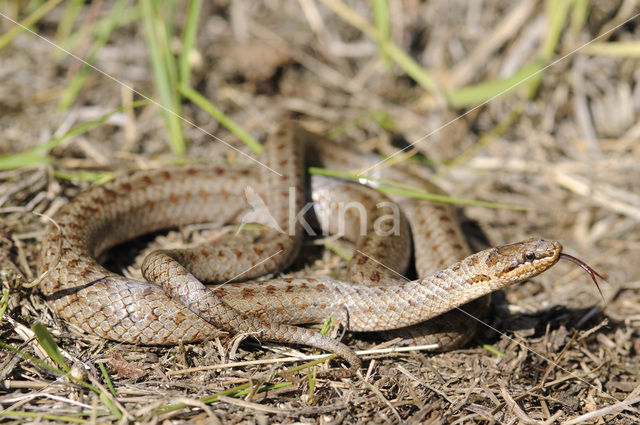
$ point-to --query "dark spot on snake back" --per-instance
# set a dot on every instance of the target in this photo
(477, 279)
(220, 292)
(271, 289)
(110, 193)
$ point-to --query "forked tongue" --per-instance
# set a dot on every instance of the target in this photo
(586, 268)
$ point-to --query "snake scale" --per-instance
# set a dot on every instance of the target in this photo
(173, 306)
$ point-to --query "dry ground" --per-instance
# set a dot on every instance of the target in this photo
(571, 157)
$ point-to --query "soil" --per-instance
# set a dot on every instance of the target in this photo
(552, 349)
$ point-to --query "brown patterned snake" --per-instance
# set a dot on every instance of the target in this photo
(177, 307)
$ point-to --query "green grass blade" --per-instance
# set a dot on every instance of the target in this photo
(228, 392)
(31, 358)
(529, 75)
(310, 364)
(448, 200)
(97, 177)
(167, 408)
(165, 32)
(412, 68)
(236, 391)
(219, 116)
(263, 388)
(311, 379)
(36, 154)
(129, 15)
(167, 9)
(105, 400)
(65, 26)
(188, 41)
(557, 15)
(86, 126)
(397, 188)
(629, 49)
(61, 372)
(73, 89)
(355, 176)
(327, 325)
(337, 250)
(313, 370)
(477, 94)
(579, 15)
(4, 302)
(163, 66)
(379, 117)
(42, 364)
(49, 345)
(498, 130)
(383, 119)
(37, 14)
(493, 350)
(107, 380)
(360, 178)
(22, 160)
(380, 9)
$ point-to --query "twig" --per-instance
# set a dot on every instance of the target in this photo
(298, 358)
(609, 410)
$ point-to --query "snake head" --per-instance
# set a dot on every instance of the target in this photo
(523, 260)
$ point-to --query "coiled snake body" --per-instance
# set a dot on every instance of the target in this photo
(173, 305)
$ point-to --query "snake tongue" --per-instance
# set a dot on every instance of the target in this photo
(587, 268)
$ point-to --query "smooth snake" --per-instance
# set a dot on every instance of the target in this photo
(173, 306)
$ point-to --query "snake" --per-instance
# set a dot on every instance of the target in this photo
(173, 305)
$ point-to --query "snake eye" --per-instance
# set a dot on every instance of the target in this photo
(529, 255)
